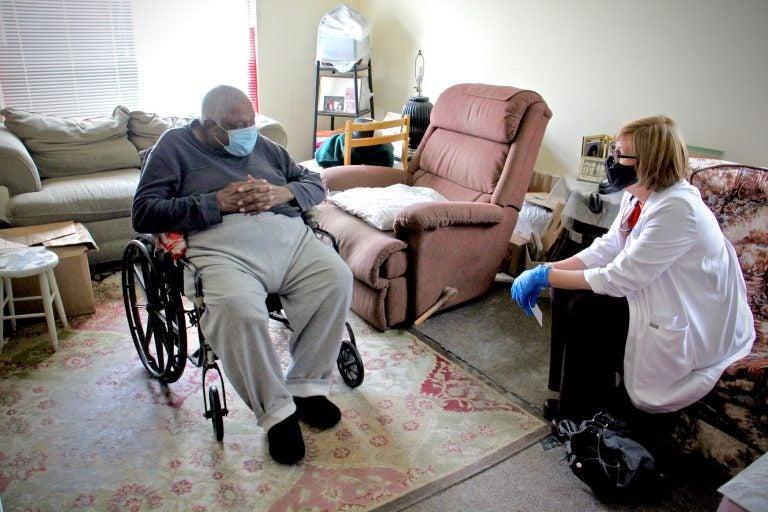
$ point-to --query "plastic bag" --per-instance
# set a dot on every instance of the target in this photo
(343, 38)
(532, 219)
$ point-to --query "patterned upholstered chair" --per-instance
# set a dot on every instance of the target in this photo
(730, 424)
(478, 152)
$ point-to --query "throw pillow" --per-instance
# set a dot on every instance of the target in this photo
(63, 146)
(144, 128)
(378, 206)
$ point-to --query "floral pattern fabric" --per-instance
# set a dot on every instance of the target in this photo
(738, 405)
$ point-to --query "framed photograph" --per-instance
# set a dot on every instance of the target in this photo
(591, 169)
(337, 95)
(595, 146)
(333, 103)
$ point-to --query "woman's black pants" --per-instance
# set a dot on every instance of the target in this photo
(589, 332)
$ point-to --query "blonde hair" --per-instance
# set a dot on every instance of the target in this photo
(662, 157)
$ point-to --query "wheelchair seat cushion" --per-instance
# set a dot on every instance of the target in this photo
(172, 243)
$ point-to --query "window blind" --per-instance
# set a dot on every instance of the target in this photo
(68, 57)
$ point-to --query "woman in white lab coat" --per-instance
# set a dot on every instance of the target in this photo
(662, 290)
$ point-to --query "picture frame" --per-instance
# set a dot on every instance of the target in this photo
(591, 169)
(333, 103)
(596, 146)
(336, 95)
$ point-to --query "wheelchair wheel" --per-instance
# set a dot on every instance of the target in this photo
(155, 313)
(216, 412)
(349, 362)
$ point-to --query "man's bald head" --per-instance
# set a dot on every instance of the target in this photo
(221, 101)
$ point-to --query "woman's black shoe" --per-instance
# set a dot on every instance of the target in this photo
(551, 413)
(551, 409)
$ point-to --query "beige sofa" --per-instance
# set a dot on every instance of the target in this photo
(59, 169)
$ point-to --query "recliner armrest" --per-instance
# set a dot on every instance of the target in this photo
(433, 215)
(19, 172)
(344, 177)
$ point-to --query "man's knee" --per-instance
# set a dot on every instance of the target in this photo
(339, 275)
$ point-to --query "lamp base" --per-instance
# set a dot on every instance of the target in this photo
(419, 108)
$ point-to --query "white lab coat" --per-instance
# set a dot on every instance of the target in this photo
(688, 312)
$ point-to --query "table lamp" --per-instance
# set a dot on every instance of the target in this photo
(418, 107)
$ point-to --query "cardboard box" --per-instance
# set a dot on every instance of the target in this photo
(542, 182)
(70, 241)
(555, 224)
(514, 260)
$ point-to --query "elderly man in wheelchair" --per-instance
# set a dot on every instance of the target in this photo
(239, 199)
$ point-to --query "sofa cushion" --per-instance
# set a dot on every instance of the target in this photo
(461, 167)
(67, 146)
(473, 109)
(144, 128)
(82, 198)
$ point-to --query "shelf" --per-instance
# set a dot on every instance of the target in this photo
(342, 114)
(333, 70)
(351, 97)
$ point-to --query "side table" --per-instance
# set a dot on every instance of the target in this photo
(32, 261)
(578, 219)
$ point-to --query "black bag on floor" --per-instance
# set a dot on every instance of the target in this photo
(602, 453)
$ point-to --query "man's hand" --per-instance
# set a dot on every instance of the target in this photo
(251, 196)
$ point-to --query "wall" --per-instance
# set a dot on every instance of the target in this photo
(597, 63)
(287, 34)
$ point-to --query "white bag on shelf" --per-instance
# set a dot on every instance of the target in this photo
(343, 38)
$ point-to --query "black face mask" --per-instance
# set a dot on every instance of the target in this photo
(619, 176)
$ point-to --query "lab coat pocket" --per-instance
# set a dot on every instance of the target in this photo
(666, 352)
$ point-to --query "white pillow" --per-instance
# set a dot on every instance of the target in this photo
(378, 206)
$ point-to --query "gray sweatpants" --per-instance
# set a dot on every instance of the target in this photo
(240, 261)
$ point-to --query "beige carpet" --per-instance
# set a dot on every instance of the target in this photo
(85, 428)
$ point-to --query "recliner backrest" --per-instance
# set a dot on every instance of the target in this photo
(481, 136)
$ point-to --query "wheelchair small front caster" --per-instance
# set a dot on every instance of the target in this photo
(350, 364)
(216, 413)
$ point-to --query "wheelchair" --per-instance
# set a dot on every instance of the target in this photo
(152, 286)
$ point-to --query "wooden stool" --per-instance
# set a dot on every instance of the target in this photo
(33, 261)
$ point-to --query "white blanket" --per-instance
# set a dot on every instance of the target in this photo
(378, 205)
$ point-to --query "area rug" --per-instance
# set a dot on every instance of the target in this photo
(86, 428)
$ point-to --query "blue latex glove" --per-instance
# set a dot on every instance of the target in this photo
(528, 285)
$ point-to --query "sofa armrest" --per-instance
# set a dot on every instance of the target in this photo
(344, 177)
(272, 129)
(433, 215)
(19, 172)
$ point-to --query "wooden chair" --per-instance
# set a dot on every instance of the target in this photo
(350, 142)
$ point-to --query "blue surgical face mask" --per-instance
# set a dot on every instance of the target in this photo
(241, 141)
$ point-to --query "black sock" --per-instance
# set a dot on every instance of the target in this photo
(317, 411)
(286, 445)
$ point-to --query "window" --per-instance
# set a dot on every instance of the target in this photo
(68, 57)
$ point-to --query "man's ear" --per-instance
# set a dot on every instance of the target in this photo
(208, 124)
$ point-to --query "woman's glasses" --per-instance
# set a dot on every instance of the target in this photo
(615, 155)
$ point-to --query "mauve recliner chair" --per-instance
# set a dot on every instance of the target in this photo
(478, 151)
